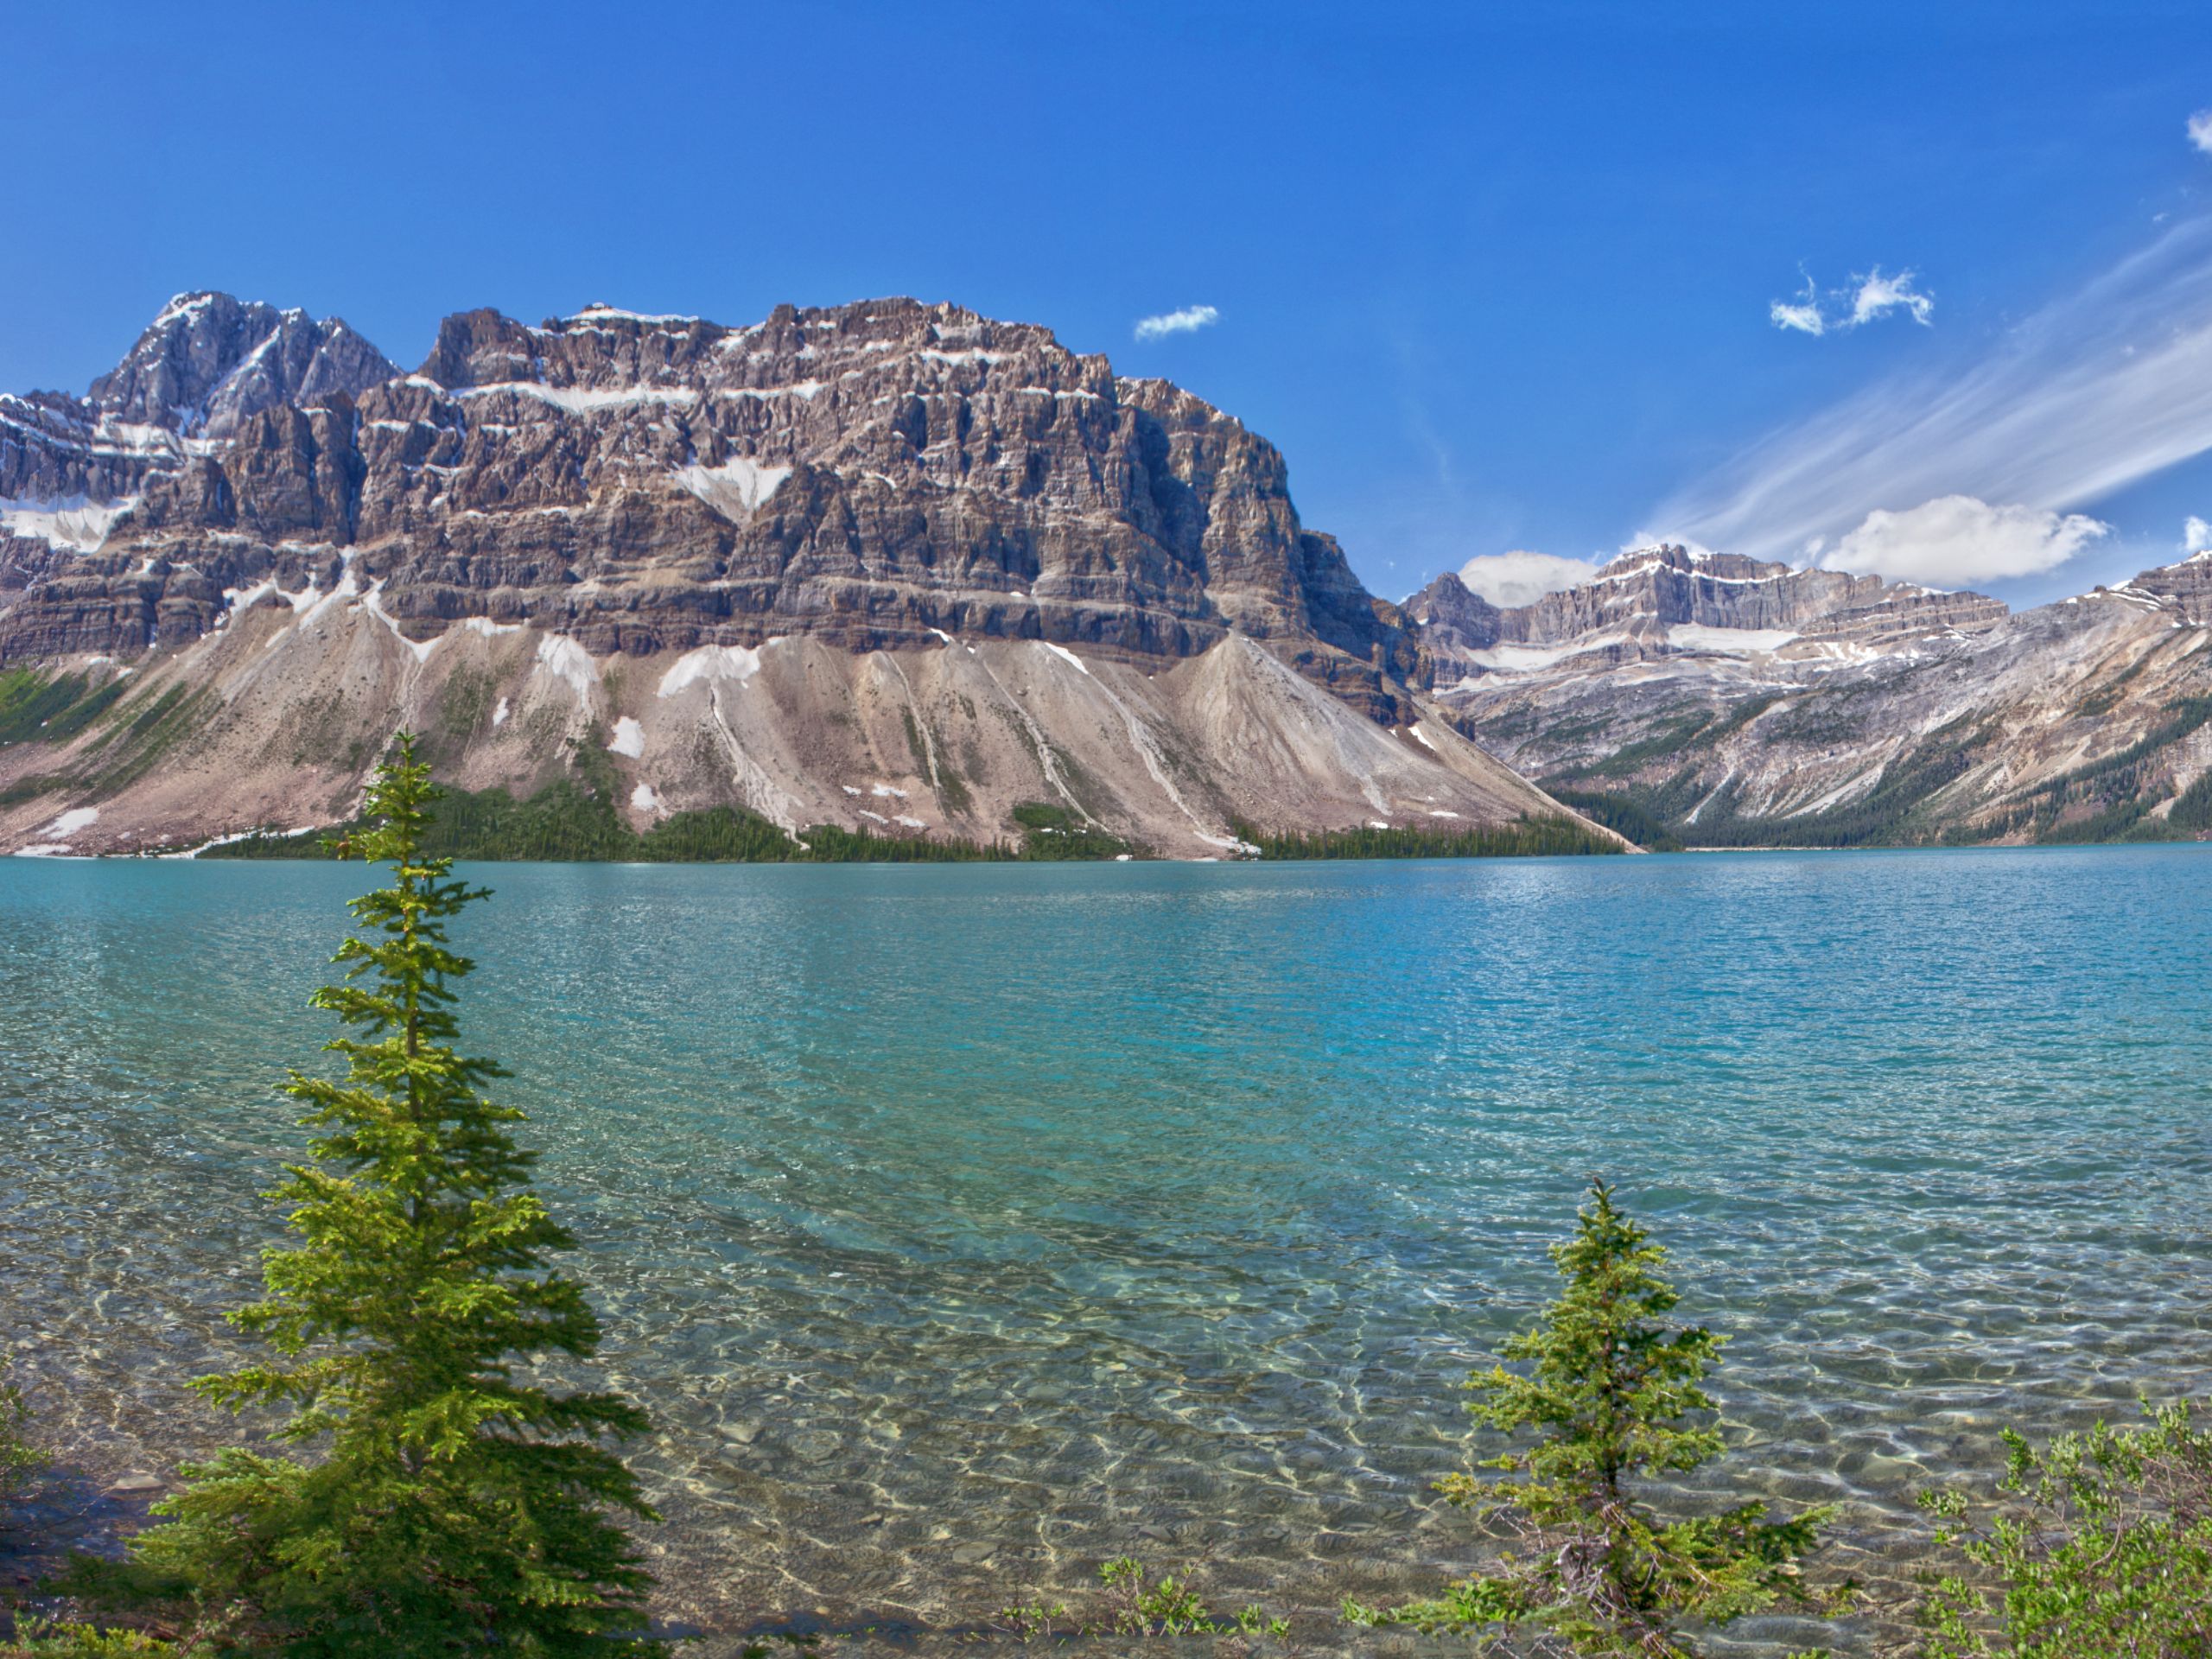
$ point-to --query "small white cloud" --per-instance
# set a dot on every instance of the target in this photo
(1522, 578)
(1188, 320)
(1878, 296)
(1802, 313)
(2196, 535)
(1805, 317)
(1957, 540)
(2200, 131)
(1868, 298)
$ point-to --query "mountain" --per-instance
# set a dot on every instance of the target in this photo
(1694, 697)
(888, 566)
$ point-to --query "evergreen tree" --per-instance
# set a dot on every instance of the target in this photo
(460, 1507)
(1609, 1395)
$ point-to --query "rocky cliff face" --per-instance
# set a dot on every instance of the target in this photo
(872, 474)
(720, 554)
(898, 566)
(1725, 701)
(208, 363)
(1668, 601)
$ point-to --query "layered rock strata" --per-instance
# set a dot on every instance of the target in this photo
(1724, 702)
(840, 561)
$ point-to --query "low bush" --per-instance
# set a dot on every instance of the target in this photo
(2100, 1545)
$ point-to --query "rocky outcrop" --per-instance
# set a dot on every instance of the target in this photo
(884, 544)
(872, 474)
(209, 363)
(215, 398)
(2185, 587)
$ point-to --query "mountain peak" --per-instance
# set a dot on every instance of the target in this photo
(209, 360)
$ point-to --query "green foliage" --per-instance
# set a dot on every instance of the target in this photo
(1609, 1395)
(2107, 697)
(951, 790)
(562, 822)
(18, 1458)
(144, 730)
(826, 843)
(2104, 800)
(1137, 1605)
(458, 1508)
(2100, 1546)
(1030, 1621)
(35, 708)
(1523, 838)
(1891, 813)
(2193, 810)
(1167, 1607)
(1622, 815)
(38, 1638)
(466, 702)
(29, 789)
(1052, 832)
(1673, 736)
(2114, 785)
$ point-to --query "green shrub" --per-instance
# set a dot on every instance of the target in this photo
(1052, 833)
(37, 1638)
(1608, 1396)
(457, 1507)
(1137, 1605)
(18, 1458)
(2100, 1544)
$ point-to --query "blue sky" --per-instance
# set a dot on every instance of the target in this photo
(1494, 278)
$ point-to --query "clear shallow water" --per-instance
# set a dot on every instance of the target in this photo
(961, 1227)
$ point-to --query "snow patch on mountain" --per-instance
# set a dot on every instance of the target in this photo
(78, 525)
(737, 488)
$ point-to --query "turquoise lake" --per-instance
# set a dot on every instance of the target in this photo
(962, 1226)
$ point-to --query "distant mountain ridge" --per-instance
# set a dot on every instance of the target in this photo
(1724, 702)
(1654, 601)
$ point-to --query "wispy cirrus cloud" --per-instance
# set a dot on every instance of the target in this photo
(1188, 320)
(2099, 389)
(1864, 299)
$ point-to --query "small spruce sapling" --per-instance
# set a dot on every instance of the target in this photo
(460, 1507)
(1610, 1394)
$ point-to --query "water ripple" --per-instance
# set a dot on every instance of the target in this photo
(963, 1226)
